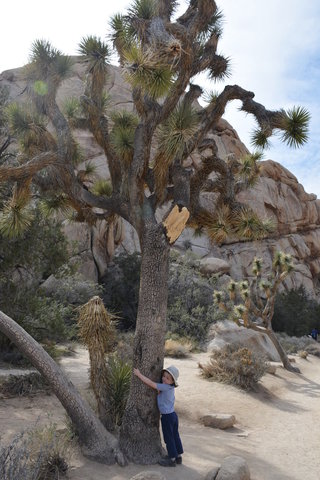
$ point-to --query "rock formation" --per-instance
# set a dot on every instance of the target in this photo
(278, 195)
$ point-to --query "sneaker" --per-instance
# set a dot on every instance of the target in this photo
(179, 460)
(167, 462)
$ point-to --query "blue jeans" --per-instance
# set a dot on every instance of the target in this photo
(170, 425)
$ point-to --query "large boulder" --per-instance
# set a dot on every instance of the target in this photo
(223, 333)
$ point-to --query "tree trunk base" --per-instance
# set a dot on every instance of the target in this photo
(139, 441)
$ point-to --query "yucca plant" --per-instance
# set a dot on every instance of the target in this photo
(97, 332)
(258, 297)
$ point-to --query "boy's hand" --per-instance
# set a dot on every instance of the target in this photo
(136, 371)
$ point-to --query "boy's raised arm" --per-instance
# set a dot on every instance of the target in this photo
(144, 379)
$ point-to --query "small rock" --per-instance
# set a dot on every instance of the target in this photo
(233, 468)
(219, 420)
(271, 369)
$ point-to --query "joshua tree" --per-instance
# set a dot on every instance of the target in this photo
(255, 307)
(160, 56)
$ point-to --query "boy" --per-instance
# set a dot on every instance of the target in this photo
(169, 418)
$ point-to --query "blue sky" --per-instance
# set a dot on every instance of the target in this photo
(274, 48)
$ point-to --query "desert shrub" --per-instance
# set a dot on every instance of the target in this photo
(235, 365)
(190, 307)
(41, 454)
(121, 289)
(293, 344)
(313, 349)
(295, 313)
(118, 385)
(24, 385)
(303, 354)
(177, 349)
(25, 262)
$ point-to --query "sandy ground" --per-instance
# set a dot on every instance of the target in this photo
(277, 427)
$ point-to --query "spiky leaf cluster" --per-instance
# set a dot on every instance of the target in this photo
(122, 134)
(16, 215)
(47, 62)
(214, 27)
(102, 187)
(95, 325)
(295, 124)
(54, 206)
(260, 139)
(143, 71)
(96, 52)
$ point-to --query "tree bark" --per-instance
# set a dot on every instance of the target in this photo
(97, 443)
(139, 435)
(283, 356)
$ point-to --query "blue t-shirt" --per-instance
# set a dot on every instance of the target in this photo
(165, 398)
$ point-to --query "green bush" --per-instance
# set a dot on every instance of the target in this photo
(190, 309)
(292, 344)
(295, 313)
(235, 365)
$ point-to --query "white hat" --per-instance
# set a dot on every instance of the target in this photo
(174, 372)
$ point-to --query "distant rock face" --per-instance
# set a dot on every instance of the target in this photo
(278, 195)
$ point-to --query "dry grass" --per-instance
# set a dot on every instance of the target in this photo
(235, 365)
(41, 454)
(24, 385)
(177, 349)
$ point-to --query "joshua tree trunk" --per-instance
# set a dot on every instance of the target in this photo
(283, 356)
(139, 437)
(97, 443)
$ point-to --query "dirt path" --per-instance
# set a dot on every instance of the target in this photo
(277, 429)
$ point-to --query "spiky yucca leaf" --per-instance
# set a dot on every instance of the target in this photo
(145, 9)
(232, 288)
(295, 123)
(122, 140)
(220, 69)
(16, 216)
(95, 325)
(122, 134)
(239, 311)
(178, 129)
(245, 294)
(248, 225)
(257, 266)
(260, 139)
(243, 285)
(217, 297)
(278, 260)
(124, 119)
(214, 26)
(265, 285)
(71, 108)
(102, 187)
(119, 32)
(211, 96)
(23, 120)
(54, 206)
(220, 226)
(48, 61)
(96, 52)
(249, 168)
(142, 71)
